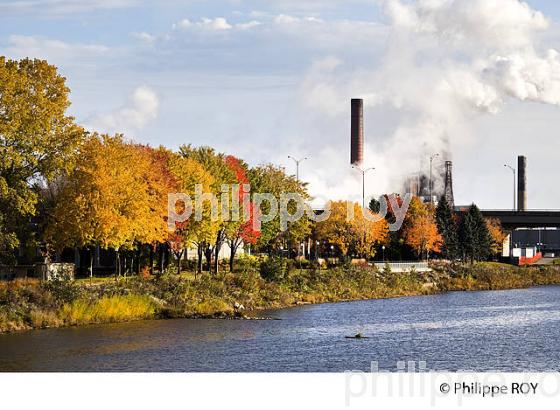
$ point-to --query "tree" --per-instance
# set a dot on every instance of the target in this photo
(370, 231)
(497, 235)
(422, 235)
(189, 174)
(273, 180)
(243, 230)
(214, 163)
(474, 235)
(352, 232)
(374, 205)
(37, 140)
(447, 228)
(420, 232)
(115, 198)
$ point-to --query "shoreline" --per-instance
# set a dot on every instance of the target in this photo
(36, 305)
(218, 317)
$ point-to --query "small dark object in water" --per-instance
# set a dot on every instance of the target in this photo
(358, 336)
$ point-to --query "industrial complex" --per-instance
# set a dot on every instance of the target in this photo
(533, 234)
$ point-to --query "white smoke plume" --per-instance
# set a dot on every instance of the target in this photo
(446, 61)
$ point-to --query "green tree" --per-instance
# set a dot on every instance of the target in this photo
(215, 164)
(447, 228)
(37, 140)
(374, 206)
(474, 235)
(273, 180)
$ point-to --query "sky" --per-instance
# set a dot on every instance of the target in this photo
(476, 81)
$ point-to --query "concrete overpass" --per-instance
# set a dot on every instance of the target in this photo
(525, 219)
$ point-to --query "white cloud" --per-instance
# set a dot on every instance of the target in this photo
(214, 24)
(249, 25)
(142, 107)
(218, 24)
(144, 37)
(38, 47)
(61, 7)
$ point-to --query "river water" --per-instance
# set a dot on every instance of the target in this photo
(517, 330)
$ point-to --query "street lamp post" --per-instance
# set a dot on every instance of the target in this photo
(364, 172)
(512, 170)
(383, 248)
(431, 162)
(297, 161)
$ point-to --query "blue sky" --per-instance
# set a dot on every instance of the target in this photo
(270, 78)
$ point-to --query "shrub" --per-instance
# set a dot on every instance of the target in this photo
(247, 263)
(144, 273)
(273, 269)
(248, 280)
(63, 291)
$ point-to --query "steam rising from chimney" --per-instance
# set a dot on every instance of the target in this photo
(445, 63)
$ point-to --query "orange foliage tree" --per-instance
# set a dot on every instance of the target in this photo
(420, 229)
(497, 235)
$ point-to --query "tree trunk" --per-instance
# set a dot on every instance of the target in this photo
(162, 259)
(233, 250)
(138, 255)
(118, 262)
(151, 260)
(166, 257)
(90, 265)
(219, 243)
(208, 254)
(179, 256)
(216, 260)
(231, 258)
(199, 259)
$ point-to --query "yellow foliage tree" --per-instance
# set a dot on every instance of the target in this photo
(189, 174)
(115, 198)
(351, 230)
(37, 140)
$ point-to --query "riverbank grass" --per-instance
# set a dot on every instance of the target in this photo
(108, 309)
(28, 304)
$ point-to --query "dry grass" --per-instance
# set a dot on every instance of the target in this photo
(108, 309)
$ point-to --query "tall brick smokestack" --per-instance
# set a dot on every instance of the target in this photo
(521, 183)
(357, 132)
(449, 184)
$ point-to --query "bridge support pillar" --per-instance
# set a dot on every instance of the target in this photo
(506, 247)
